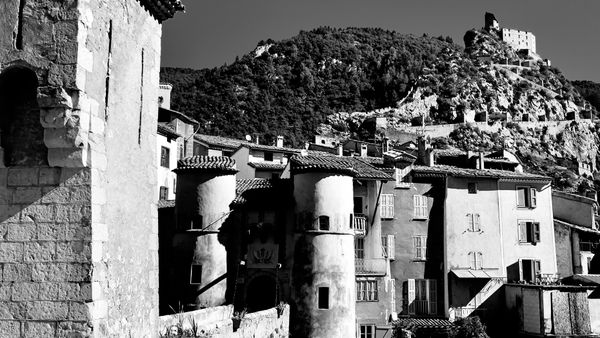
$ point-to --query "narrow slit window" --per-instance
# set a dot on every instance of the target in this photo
(141, 100)
(108, 65)
(323, 298)
(19, 37)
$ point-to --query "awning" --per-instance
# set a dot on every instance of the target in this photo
(472, 273)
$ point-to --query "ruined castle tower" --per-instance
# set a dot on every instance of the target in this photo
(205, 190)
(323, 275)
(78, 219)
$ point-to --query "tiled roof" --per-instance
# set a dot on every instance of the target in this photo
(162, 10)
(263, 147)
(219, 141)
(165, 129)
(418, 323)
(267, 165)
(165, 204)
(353, 166)
(245, 185)
(445, 170)
(272, 191)
(220, 163)
(179, 115)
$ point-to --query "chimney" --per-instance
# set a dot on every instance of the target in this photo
(481, 162)
(363, 150)
(306, 145)
(340, 150)
(257, 139)
(279, 143)
(425, 153)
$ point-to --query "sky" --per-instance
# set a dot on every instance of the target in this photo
(213, 32)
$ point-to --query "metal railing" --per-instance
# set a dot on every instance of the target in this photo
(370, 265)
(587, 246)
(423, 307)
(360, 224)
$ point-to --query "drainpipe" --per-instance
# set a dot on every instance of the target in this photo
(445, 269)
(377, 203)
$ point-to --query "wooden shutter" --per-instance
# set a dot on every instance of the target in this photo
(432, 295)
(476, 222)
(470, 222)
(536, 232)
(532, 198)
(384, 246)
(391, 247)
(387, 206)
(411, 295)
(522, 231)
(472, 258)
(419, 243)
(537, 268)
(392, 284)
(479, 260)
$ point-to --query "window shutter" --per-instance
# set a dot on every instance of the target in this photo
(417, 245)
(536, 269)
(411, 296)
(387, 206)
(471, 256)
(391, 247)
(470, 222)
(479, 260)
(384, 246)
(536, 232)
(532, 198)
(432, 288)
(392, 284)
(522, 231)
(476, 222)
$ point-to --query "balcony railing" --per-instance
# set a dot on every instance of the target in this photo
(422, 307)
(587, 246)
(466, 311)
(360, 224)
(366, 266)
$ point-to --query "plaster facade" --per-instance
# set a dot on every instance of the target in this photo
(70, 267)
(518, 39)
(166, 177)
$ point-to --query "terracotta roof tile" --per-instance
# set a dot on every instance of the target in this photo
(420, 323)
(165, 129)
(220, 163)
(162, 10)
(353, 166)
(276, 189)
(162, 204)
(445, 170)
(219, 141)
(267, 165)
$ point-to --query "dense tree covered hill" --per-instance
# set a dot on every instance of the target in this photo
(290, 87)
(590, 91)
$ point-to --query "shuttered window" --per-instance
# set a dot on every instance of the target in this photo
(388, 245)
(526, 197)
(475, 260)
(473, 222)
(420, 296)
(387, 206)
(420, 247)
(529, 232)
(420, 207)
(366, 291)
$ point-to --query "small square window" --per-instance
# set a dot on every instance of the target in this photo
(324, 223)
(196, 274)
(164, 156)
(323, 298)
(269, 156)
(197, 222)
(472, 188)
(164, 193)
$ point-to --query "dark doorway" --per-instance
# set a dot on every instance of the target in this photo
(22, 135)
(261, 293)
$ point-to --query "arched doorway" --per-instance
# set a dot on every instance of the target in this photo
(261, 293)
(21, 133)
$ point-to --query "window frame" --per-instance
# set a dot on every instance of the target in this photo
(475, 260)
(192, 274)
(472, 188)
(386, 209)
(422, 239)
(165, 157)
(163, 193)
(530, 198)
(536, 268)
(270, 156)
(319, 297)
(532, 232)
(400, 175)
(367, 290)
(474, 222)
(359, 248)
(324, 223)
(366, 334)
(420, 207)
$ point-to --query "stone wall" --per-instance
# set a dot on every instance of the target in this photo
(78, 250)
(216, 322)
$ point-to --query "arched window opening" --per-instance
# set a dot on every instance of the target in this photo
(21, 133)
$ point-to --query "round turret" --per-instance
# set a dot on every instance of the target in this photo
(205, 190)
(323, 275)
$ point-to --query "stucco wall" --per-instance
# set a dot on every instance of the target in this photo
(573, 209)
(324, 258)
(511, 214)
(564, 253)
(166, 177)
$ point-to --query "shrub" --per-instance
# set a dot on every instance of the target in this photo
(470, 327)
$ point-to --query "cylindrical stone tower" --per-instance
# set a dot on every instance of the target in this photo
(323, 276)
(205, 190)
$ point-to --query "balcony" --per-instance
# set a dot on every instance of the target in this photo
(587, 246)
(373, 266)
(359, 224)
(422, 308)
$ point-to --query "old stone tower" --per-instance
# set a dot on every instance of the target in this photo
(78, 222)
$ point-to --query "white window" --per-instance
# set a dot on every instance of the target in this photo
(420, 296)
(388, 245)
(529, 232)
(366, 291)
(367, 331)
(473, 222)
(529, 269)
(420, 207)
(420, 246)
(526, 197)
(387, 206)
(475, 260)
(401, 174)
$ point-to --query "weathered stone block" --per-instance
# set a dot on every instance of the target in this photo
(11, 252)
(67, 157)
(55, 117)
(21, 232)
(78, 311)
(3, 176)
(44, 272)
(10, 213)
(39, 329)
(50, 231)
(77, 272)
(27, 195)
(10, 328)
(77, 251)
(75, 176)
(22, 177)
(25, 291)
(12, 310)
(58, 195)
(77, 231)
(69, 137)
(75, 330)
(40, 252)
(38, 213)
(60, 291)
(16, 273)
(51, 97)
(6, 195)
(45, 310)
(49, 176)
(5, 291)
